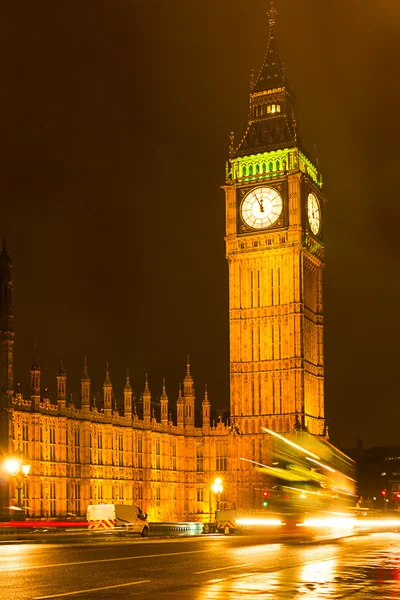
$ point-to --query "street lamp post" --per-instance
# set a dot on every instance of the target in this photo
(217, 488)
(19, 471)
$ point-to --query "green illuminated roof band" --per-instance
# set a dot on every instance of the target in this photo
(267, 165)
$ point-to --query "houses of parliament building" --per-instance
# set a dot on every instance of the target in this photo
(81, 453)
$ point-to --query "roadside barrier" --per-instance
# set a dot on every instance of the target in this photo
(175, 528)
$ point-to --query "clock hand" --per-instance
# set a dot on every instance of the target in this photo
(260, 202)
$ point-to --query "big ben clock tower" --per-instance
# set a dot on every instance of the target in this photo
(274, 247)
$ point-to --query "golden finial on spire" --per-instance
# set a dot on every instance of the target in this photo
(231, 143)
(205, 394)
(146, 384)
(128, 387)
(34, 362)
(164, 392)
(272, 13)
(188, 377)
(107, 381)
(61, 370)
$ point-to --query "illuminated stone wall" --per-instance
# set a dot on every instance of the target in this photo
(81, 457)
(275, 310)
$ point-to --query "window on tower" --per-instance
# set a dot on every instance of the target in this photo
(199, 456)
(158, 454)
(120, 449)
(139, 452)
(173, 455)
(100, 448)
(273, 108)
(52, 437)
(221, 458)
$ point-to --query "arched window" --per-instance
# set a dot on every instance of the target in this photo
(263, 109)
(250, 170)
(264, 167)
(278, 165)
(257, 168)
(243, 171)
(270, 167)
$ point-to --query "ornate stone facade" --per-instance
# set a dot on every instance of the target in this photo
(83, 453)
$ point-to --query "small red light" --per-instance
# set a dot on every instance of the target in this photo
(265, 493)
(397, 495)
(383, 492)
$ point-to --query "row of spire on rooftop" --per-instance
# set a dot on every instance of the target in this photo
(188, 384)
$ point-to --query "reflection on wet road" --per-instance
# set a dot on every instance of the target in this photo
(205, 568)
(368, 575)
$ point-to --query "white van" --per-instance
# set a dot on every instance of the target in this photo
(122, 516)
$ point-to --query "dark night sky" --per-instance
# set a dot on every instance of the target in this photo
(115, 118)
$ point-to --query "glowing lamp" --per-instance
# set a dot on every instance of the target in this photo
(26, 468)
(12, 466)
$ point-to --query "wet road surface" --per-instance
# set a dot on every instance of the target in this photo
(204, 568)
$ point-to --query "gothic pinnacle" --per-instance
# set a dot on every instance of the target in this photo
(107, 380)
(163, 393)
(188, 376)
(61, 370)
(35, 365)
(128, 383)
(205, 394)
(272, 13)
(85, 376)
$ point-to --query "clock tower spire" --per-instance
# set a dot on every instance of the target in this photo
(274, 247)
(272, 123)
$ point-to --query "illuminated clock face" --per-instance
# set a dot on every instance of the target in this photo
(314, 214)
(261, 208)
